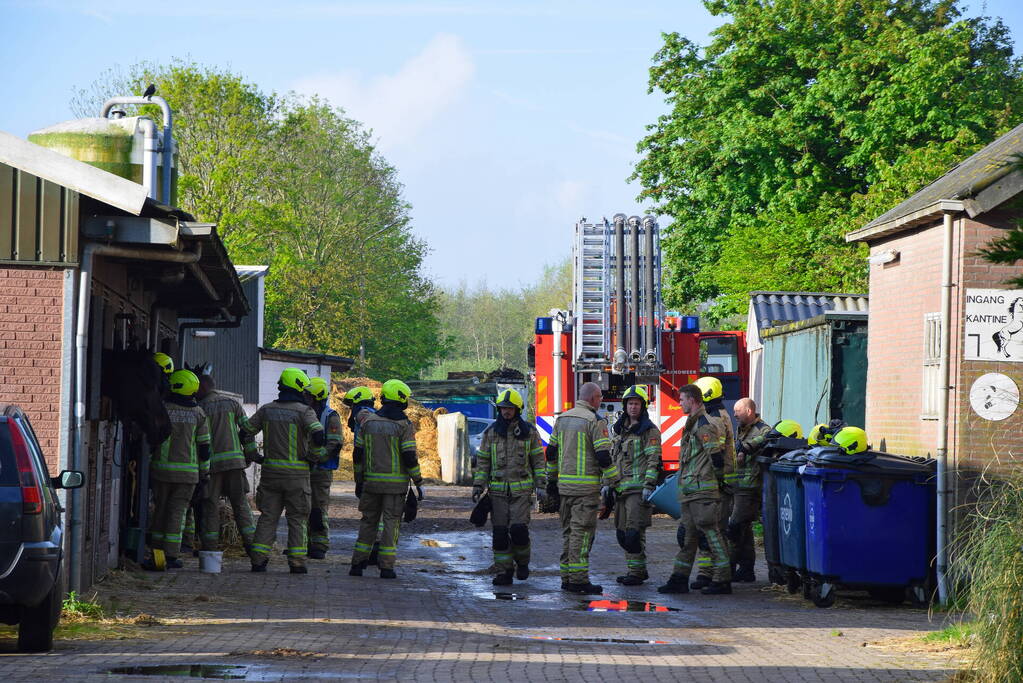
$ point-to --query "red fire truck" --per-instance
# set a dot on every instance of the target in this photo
(618, 335)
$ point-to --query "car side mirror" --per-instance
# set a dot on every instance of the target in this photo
(68, 479)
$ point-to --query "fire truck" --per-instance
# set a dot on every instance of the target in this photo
(617, 334)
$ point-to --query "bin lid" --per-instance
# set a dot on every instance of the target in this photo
(782, 444)
(791, 461)
(870, 461)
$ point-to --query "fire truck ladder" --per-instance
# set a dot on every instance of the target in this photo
(592, 274)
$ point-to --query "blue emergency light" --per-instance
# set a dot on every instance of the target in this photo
(545, 325)
(689, 323)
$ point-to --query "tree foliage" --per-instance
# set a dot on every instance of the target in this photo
(297, 185)
(784, 132)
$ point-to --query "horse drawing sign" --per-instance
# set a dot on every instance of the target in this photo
(993, 325)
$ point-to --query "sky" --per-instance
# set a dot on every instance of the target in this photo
(507, 120)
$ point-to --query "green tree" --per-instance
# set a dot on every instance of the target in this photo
(798, 105)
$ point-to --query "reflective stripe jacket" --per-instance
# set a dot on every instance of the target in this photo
(728, 472)
(226, 417)
(750, 439)
(286, 427)
(385, 455)
(331, 422)
(510, 465)
(638, 456)
(176, 460)
(701, 439)
(577, 437)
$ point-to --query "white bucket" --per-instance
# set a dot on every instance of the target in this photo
(210, 560)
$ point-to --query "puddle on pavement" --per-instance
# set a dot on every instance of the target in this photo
(625, 641)
(218, 671)
(623, 606)
(510, 596)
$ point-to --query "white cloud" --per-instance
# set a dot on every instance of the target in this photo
(399, 106)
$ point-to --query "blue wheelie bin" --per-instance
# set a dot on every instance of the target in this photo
(791, 523)
(769, 503)
(869, 524)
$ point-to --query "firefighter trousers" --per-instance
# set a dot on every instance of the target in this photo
(706, 561)
(319, 524)
(230, 484)
(632, 518)
(578, 526)
(701, 516)
(171, 502)
(745, 511)
(510, 517)
(275, 495)
(377, 508)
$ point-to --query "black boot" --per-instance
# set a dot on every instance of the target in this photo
(174, 563)
(583, 588)
(299, 569)
(522, 572)
(630, 580)
(702, 581)
(503, 579)
(317, 554)
(744, 575)
(677, 583)
(718, 588)
(261, 567)
(388, 574)
(356, 569)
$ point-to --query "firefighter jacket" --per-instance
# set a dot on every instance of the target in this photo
(724, 463)
(701, 442)
(226, 417)
(750, 439)
(331, 422)
(180, 458)
(385, 455)
(579, 452)
(287, 426)
(636, 450)
(512, 464)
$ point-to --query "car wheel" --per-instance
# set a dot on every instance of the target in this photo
(35, 630)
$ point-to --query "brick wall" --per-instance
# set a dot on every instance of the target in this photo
(31, 321)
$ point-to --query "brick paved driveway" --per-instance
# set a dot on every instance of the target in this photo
(441, 620)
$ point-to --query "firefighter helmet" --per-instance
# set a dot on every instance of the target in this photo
(789, 428)
(293, 378)
(357, 395)
(184, 383)
(637, 391)
(710, 388)
(509, 398)
(318, 388)
(395, 390)
(820, 435)
(852, 440)
(165, 362)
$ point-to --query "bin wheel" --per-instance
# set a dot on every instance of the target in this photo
(776, 575)
(823, 595)
(807, 590)
(792, 582)
(920, 596)
(893, 595)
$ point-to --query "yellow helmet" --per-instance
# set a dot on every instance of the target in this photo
(820, 435)
(789, 428)
(509, 398)
(710, 387)
(318, 388)
(357, 395)
(165, 362)
(637, 391)
(395, 390)
(852, 440)
(293, 378)
(184, 382)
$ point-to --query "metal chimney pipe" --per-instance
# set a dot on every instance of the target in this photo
(168, 135)
(649, 225)
(618, 362)
(635, 344)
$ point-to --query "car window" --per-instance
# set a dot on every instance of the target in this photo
(477, 427)
(8, 468)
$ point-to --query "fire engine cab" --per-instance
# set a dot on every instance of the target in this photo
(618, 335)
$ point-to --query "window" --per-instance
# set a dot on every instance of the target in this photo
(477, 426)
(719, 354)
(932, 367)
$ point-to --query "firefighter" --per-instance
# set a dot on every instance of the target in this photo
(724, 469)
(322, 474)
(292, 439)
(636, 447)
(699, 493)
(578, 457)
(510, 463)
(165, 362)
(178, 465)
(750, 435)
(385, 460)
(360, 403)
(229, 444)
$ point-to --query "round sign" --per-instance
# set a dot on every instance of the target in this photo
(994, 396)
(785, 512)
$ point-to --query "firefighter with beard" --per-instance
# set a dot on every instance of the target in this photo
(636, 448)
(510, 463)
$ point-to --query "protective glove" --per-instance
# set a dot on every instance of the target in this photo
(740, 456)
(646, 494)
(541, 495)
(477, 491)
(358, 489)
(607, 502)
(419, 492)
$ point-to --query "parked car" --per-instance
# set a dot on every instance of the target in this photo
(31, 534)
(476, 427)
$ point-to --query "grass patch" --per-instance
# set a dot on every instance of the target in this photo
(956, 635)
(74, 609)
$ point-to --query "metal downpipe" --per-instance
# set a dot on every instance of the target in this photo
(619, 354)
(947, 287)
(649, 225)
(635, 344)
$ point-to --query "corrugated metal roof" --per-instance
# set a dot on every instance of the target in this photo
(774, 308)
(336, 363)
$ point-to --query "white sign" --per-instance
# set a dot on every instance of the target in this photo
(994, 396)
(993, 323)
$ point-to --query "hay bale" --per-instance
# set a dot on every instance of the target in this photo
(423, 419)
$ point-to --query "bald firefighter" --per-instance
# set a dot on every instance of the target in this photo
(510, 464)
(385, 461)
(636, 445)
(580, 470)
(322, 474)
(750, 436)
(699, 494)
(293, 439)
